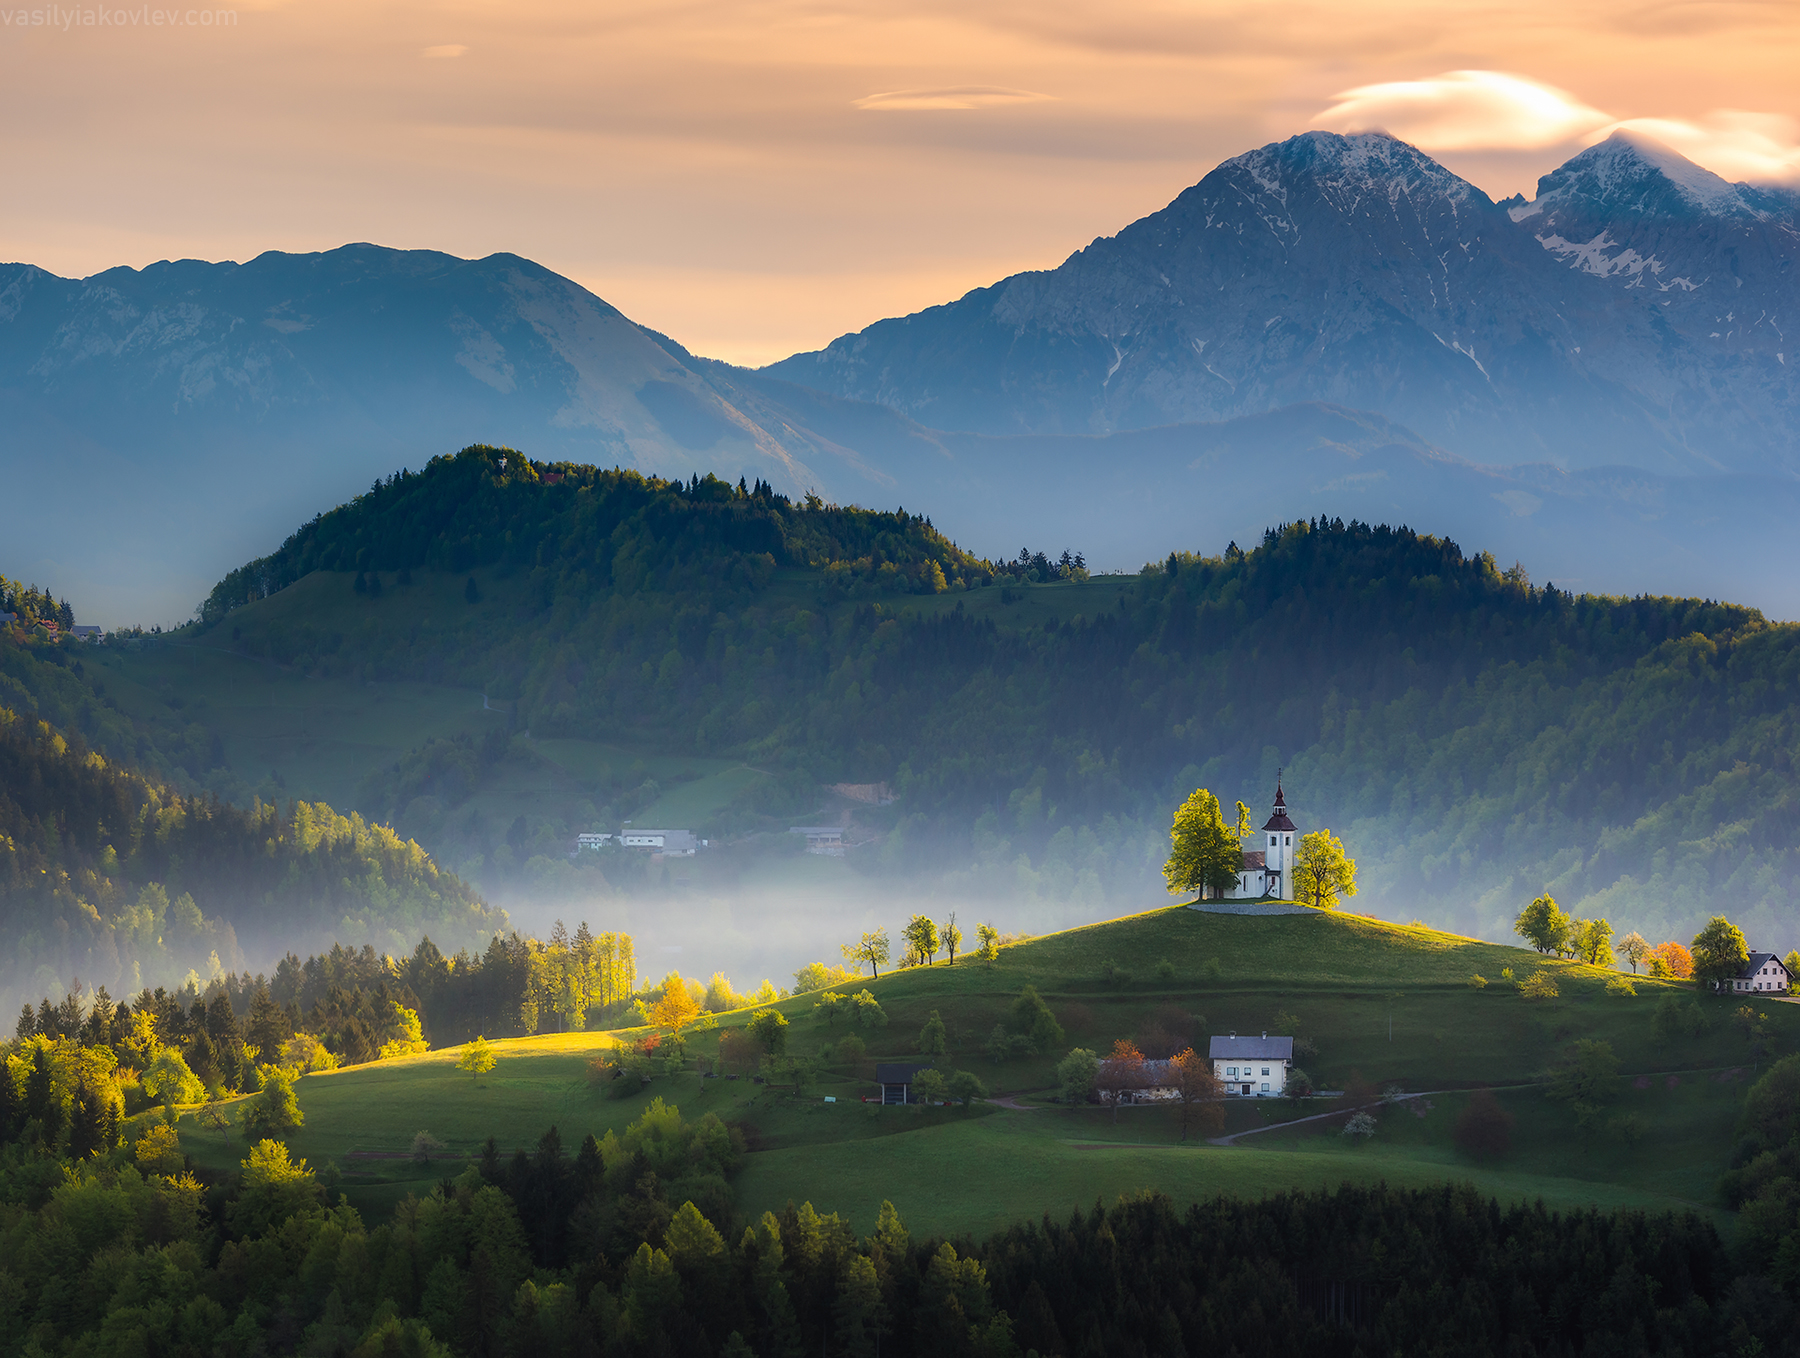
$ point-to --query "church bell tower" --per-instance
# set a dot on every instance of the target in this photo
(1278, 848)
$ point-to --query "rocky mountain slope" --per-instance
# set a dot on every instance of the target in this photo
(1633, 314)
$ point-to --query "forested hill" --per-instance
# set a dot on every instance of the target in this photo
(1474, 738)
(112, 876)
(581, 529)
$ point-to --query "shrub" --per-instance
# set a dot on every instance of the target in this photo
(850, 1049)
(1299, 1084)
(868, 1010)
(1114, 974)
(424, 1146)
(1165, 970)
(929, 1086)
(966, 1088)
(1676, 1018)
(1478, 982)
(1005, 1045)
(1620, 985)
(1360, 1127)
(1076, 1074)
(1540, 985)
(1211, 969)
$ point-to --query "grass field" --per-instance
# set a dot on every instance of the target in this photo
(950, 1170)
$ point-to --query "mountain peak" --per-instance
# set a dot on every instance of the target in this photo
(1355, 158)
(1632, 174)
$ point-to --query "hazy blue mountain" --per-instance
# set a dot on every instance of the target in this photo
(1196, 378)
(179, 416)
(1358, 271)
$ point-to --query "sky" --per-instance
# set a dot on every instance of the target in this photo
(756, 177)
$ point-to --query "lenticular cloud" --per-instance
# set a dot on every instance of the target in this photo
(1465, 111)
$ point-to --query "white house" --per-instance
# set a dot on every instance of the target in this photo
(1252, 1067)
(592, 843)
(1764, 972)
(669, 843)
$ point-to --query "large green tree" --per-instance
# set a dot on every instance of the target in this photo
(1323, 873)
(1545, 924)
(1719, 951)
(1205, 853)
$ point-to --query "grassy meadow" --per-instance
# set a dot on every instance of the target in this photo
(1340, 978)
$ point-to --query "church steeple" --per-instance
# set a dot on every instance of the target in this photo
(1278, 818)
(1278, 850)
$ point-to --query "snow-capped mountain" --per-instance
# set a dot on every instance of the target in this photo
(1359, 271)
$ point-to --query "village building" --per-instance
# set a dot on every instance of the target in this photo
(1252, 1067)
(895, 1079)
(668, 843)
(821, 839)
(1764, 973)
(592, 843)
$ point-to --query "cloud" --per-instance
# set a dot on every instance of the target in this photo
(1760, 147)
(1465, 111)
(449, 49)
(952, 97)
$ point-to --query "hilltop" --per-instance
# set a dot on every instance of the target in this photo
(1330, 978)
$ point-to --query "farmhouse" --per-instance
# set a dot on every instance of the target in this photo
(1252, 1067)
(896, 1080)
(1764, 972)
(592, 843)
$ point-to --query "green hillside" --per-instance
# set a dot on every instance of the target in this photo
(114, 876)
(951, 1170)
(1474, 738)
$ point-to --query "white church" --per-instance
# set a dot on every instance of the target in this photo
(1268, 870)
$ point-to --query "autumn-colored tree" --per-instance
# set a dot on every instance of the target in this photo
(737, 1051)
(1676, 962)
(1121, 1074)
(674, 1004)
(1200, 1093)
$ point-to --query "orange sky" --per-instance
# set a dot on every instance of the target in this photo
(757, 177)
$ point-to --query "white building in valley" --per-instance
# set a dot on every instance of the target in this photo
(1252, 1067)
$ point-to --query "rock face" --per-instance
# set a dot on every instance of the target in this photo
(1356, 270)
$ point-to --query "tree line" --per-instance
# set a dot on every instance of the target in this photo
(108, 873)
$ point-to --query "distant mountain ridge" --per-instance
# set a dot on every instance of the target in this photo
(1358, 271)
(1596, 381)
(286, 383)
